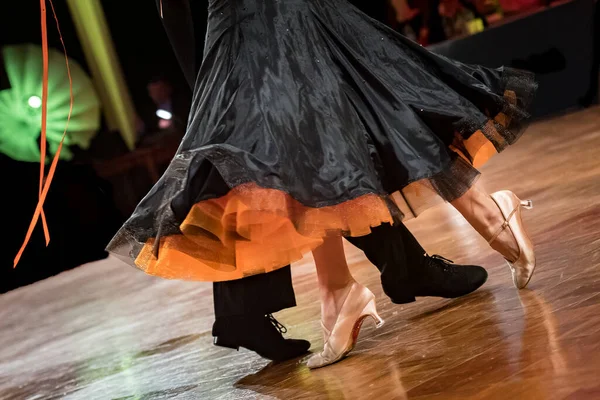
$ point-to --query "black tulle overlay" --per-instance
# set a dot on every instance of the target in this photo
(307, 116)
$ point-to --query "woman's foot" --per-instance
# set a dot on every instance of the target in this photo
(332, 301)
(497, 218)
(481, 211)
(353, 304)
(492, 219)
(522, 261)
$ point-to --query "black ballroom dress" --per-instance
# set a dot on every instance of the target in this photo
(307, 115)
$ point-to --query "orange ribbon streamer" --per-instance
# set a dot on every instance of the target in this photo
(44, 113)
(45, 185)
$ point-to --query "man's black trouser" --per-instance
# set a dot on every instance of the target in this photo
(393, 250)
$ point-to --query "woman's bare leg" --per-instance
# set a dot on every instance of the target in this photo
(483, 214)
(335, 279)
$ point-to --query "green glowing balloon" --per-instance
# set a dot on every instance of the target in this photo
(20, 106)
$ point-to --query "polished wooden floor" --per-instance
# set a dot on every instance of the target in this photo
(105, 331)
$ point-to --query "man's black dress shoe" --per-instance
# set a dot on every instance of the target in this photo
(438, 277)
(261, 334)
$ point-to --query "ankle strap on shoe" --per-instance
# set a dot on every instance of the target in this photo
(504, 225)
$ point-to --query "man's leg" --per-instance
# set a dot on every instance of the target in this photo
(395, 252)
(406, 271)
(259, 294)
(243, 311)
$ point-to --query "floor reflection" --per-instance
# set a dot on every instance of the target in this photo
(343, 381)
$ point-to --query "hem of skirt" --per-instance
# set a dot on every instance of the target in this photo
(474, 144)
(254, 230)
(503, 129)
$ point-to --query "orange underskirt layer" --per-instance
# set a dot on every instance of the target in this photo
(254, 230)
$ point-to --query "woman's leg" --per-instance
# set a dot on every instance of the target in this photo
(483, 214)
(335, 279)
(340, 296)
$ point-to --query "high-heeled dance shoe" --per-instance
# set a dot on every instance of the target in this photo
(341, 339)
(510, 205)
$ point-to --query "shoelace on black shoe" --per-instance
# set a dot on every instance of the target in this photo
(444, 261)
(277, 324)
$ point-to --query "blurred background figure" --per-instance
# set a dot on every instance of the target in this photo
(433, 21)
(166, 115)
(512, 7)
(407, 20)
(420, 20)
(460, 18)
(161, 93)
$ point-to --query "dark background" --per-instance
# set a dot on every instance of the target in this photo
(556, 44)
(82, 215)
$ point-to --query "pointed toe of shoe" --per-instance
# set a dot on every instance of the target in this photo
(316, 361)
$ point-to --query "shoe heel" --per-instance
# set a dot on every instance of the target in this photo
(371, 311)
(527, 204)
(219, 341)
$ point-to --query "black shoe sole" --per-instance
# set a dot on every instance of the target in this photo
(403, 300)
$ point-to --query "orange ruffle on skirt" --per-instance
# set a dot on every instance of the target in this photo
(254, 230)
